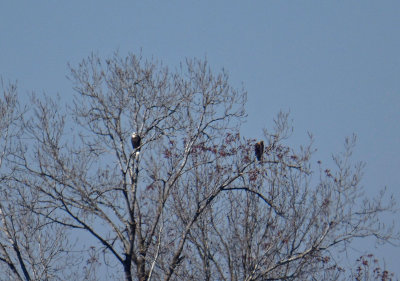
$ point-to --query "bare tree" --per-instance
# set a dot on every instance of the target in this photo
(31, 248)
(191, 202)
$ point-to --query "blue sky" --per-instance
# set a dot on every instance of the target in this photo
(335, 65)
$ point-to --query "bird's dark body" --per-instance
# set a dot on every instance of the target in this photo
(135, 140)
(259, 150)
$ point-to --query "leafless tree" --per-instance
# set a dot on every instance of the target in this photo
(30, 248)
(194, 204)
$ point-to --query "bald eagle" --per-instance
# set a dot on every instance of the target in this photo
(259, 150)
(135, 140)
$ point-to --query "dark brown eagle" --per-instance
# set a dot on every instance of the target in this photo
(259, 150)
(135, 140)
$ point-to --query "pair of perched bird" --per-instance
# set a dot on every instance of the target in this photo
(258, 147)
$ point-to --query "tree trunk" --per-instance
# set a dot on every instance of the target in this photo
(127, 269)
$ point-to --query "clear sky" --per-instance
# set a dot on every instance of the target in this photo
(334, 64)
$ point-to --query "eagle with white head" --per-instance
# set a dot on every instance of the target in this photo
(135, 140)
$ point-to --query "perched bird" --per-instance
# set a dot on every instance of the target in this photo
(135, 140)
(259, 150)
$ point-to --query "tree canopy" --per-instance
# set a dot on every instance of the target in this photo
(191, 203)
